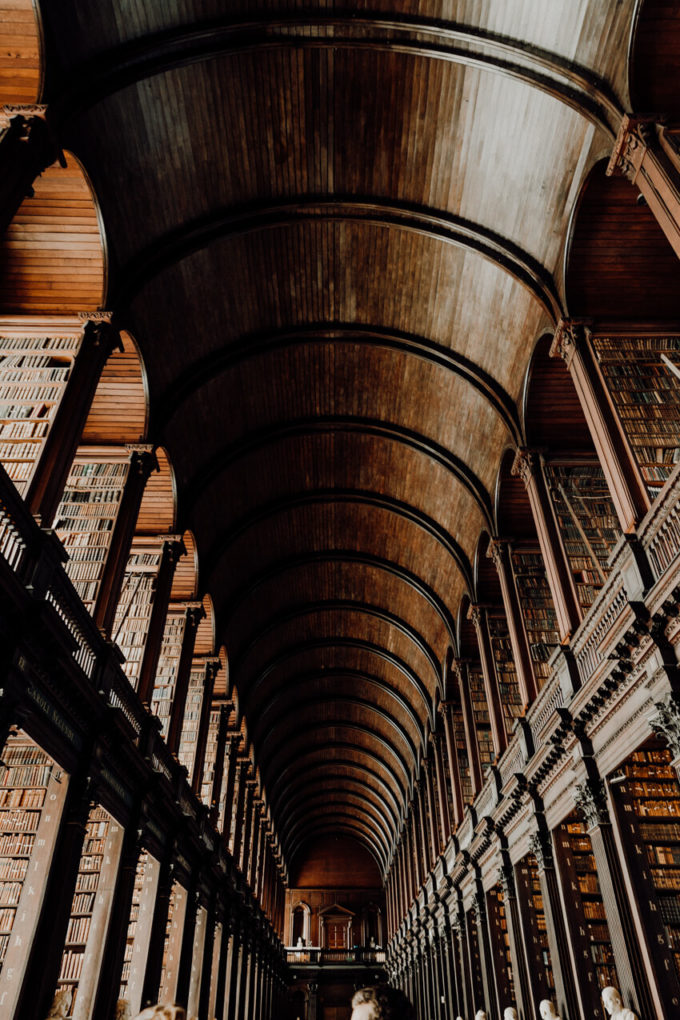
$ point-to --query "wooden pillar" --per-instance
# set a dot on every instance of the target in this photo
(248, 812)
(114, 937)
(447, 709)
(520, 974)
(194, 615)
(499, 551)
(27, 147)
(479, 617)
(558, 939)
(567, 610)
(143, 934)
(424, 824)
(151, 983)
(471, 742)
(46, 487)
(573, 344)
(44, 955)
(250, 870)
(142, 463)
(173, 549)
(644, 157)
(485, 955)
(591, 800)
(201, 955)
(460, 927)
(186, 956)
(212, 667)
(234, 973)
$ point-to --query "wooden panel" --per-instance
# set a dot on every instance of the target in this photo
(119, 409)
(52, 256)
(20, 56)
(335, 862)
(656, 60)
(185, 581)
(553, 416)
(620, 266)
(157, 512)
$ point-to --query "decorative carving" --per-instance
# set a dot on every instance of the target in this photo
(591, 800)
(496, 552)
(665, 721)
(525, 464)
(569, 334)
(635, 136)
(541, 848)
(475, 615)
(25, 117)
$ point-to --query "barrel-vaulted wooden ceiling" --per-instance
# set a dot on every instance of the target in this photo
(336, 231)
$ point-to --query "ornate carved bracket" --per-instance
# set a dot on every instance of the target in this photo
(590, 798)
(665, 721)
(635, 136)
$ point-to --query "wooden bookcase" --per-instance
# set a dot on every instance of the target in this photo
(131, 624)
(537, 607)
(511, 699)
(82, 907)
(587, 520)
(87, 515)
(210, 757)
(475, 956)
(646, 396)
(132, 923)
(586, 919)
(646, 796)
(461, 755)
(25, 775)
(34, 372)
(168, 663)
(532, 915)
(500, 946)
(192, 718)
(480, 710)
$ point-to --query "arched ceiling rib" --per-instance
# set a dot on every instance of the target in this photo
(335, 236)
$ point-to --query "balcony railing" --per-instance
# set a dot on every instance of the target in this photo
(318, 957)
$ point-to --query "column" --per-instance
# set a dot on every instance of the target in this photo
(44, 956)
(493, 695)
(423, 826)
(198, 953)
(520, 974)
(27, 147)
(527, 465)
(461, 668)
(573, 344)
(142, 463)
(216, 794)
(499, 552)
(459, 926)
(151, 981)
(485, 956)
(239, 819)
(143, 934)
(186, 958)
(447, 708)
(442, 791)
(642, 155)
(173, 549)
(558, 939)
(46, 488)
(194, 615)
(591, 800)
(247, 826)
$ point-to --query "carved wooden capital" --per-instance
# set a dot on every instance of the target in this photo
(569, 334)
(525, 464)
(496, 552)
(591, 800)
(665, 722)
(475, 615)
(541, 848)
(635, 136)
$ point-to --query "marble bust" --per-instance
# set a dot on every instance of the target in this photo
(613, 1004)
(509, 1013)
(547, 1010)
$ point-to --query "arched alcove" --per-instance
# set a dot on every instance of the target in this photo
(20, 53)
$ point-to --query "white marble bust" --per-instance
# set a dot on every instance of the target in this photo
(613, 1004)
(509, 1013)
(547, 1010)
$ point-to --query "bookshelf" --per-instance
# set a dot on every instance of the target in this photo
(461, 755)
(538, 611)
(132, 923)
(168, 664)
(480, 711)
(25, 774)
(173, 942)
(647, 801)
(500, 945)
(34, 372)
(133, 613)
(86, 518)
(587, 521)
(210, 757)
(646, 396)
(588, 928)
(192, 718)
(82, 906)
(532, 914)
(511, 699)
